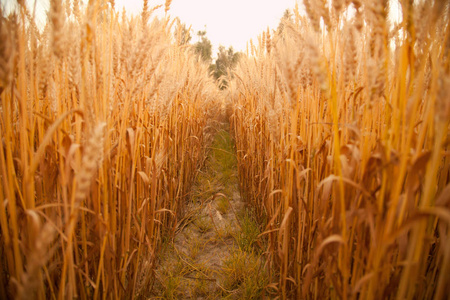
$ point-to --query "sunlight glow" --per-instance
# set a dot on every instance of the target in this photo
(227, 23)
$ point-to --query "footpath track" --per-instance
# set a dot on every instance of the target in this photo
(213, 253)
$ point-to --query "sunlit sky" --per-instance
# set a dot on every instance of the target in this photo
(227, 22)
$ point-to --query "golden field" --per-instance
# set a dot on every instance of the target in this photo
(340, 121)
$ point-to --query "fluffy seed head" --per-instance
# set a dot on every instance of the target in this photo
(56, 16)
(6, 53)
(92, 157)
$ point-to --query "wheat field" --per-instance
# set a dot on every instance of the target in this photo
(103, 123)
(340, 121)
(341, 127)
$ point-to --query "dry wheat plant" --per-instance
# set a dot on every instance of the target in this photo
(341, 121)
(104, 119)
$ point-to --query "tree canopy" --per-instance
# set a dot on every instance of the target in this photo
(226, 58)
(204, 47)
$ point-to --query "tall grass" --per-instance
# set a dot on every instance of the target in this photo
(341, 121)
(103, 124)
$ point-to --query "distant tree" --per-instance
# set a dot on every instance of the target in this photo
(183, 34)
(204, 47)
(226, 60)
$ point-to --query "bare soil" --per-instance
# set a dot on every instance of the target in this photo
(198, 263)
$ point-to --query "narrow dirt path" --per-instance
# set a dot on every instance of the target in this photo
(214, 254)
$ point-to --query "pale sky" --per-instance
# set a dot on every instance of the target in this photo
(228, 22)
